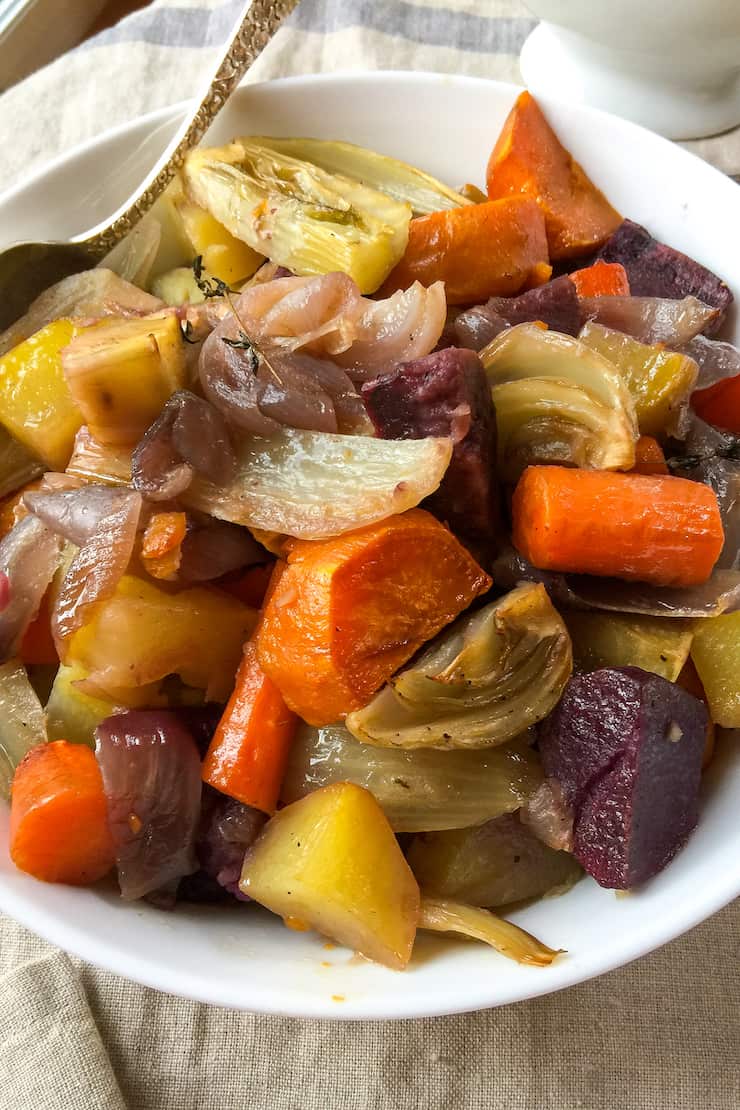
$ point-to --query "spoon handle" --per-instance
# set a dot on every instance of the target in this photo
(257, 23)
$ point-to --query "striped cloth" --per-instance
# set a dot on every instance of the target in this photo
(661, 1034)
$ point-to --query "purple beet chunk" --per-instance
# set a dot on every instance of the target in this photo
(556, 303)
(445, 394)
(626, 747)
(656, 270)
(227, 828)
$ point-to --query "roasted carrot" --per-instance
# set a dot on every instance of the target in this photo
(38, 644)
(58, 817)
(603, 279)
(658, 529)
(345, 613)
(719, 404)
(247, 755)
(480, 251)
(689, 679)
(649, 457)
(161, 543)
(250, 586)
(529, 160)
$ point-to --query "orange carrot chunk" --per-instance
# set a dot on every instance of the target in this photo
(249, 750)
(344, 614)
(58, 817)
(649, 457)
(719, 404)
(603, 279)
(663, 530)
(161, 544)
(37, 645)
(250, 586)
(529, 160)
(481, 251)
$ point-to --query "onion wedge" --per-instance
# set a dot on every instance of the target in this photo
(440, 916)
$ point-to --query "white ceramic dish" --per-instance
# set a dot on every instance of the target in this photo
(246, 958)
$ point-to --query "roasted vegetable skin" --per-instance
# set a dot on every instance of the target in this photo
(331, 861)
(626, 748)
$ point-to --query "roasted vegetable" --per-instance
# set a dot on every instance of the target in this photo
(346, 613)
(179, 286)
(223, 256)
(689, 680)
(446, 394)
(483, 250)
(557, 401)
(331, 860)
(489, 677)
(601, 279)
(649, 457)
(655, 270)
(617, 640)
(29, 557)
(492, 865)
(662, 530)
(314, 485)
(555, 303)
(142, 634)
(716, 653)
(311, 221)
(626, 748)
(719, 404)
(18, 466)
(651, 319)
(397, 179)
(659, 381)
(73, 715)
(22, 724)
(58, 817)
(417, 790)
(528, 159)
(443, 916)
(36, 405)
(121, 374)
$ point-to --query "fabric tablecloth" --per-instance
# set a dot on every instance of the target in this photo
(660, 1034)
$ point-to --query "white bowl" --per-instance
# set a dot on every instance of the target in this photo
(246, 958)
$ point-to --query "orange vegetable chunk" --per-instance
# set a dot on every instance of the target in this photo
(249, 750)
(346, 613)
(529, 160)
(58, 817)
(37, 645)
(658, 529)
(481, 251)
(649, 457)
(603, 279)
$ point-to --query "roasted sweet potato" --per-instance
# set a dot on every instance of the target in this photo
(346, 613)
(529, 160)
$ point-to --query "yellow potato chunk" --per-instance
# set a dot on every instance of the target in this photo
(121, 373)
(331, 860)
(224, 256)
(716, 655)
(36, 405)
(657, 644)
(142, 634)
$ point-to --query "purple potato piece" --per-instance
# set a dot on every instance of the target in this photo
(446, 394)
(657, 270)
(626, 747)
(556, 303)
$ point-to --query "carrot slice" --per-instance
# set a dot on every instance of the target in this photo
(249, 750)
(37, 645)
(603, 279)
(649, 457)
(345, 613)
(251, 586)
(657, 529)
(161, 544)
(58, 817)
(719, 404)
(529, 160)
(689, 679)
(480, 251)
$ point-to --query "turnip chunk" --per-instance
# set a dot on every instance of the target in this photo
(626, 748)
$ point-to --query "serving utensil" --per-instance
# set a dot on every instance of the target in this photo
(26, 269)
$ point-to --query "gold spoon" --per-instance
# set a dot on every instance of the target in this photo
(26, 269)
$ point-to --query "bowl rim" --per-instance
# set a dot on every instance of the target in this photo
(145, 969)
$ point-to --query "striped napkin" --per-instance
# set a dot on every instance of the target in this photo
(661, 1034)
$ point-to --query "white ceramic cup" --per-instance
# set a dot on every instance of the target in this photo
(671, 65)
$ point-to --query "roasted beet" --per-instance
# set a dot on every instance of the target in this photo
(556, 303)
(656, 270)
(445, 394)
(626, 747)
(227, 828)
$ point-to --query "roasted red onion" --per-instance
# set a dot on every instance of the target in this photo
(189, 436)
(651, 319)
(319, 314)
(716, 360)
(151, 775)
(97, 567)
(215, 548)
(556, 303)
(76, 514)
(29, 556)
(404, 326)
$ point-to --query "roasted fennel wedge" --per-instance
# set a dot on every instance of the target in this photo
(482, 682)
(439, 915)
(399, 180)
(310, 221)
(419, 790)
(557, 401)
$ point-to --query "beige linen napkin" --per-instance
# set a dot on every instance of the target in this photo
(661, 1034)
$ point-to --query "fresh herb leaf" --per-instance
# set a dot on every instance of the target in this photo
(244, 343)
